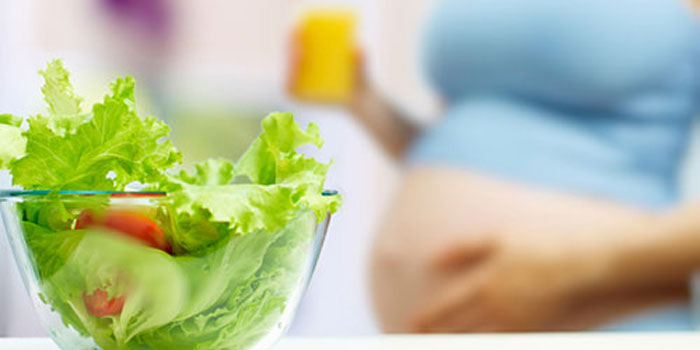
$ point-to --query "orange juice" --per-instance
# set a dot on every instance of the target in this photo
(326, 70)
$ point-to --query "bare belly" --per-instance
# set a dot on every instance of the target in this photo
(434, 208)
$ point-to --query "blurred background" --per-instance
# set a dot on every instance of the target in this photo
(212, 69)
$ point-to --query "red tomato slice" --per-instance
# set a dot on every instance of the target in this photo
(132, 223)
(97, 304)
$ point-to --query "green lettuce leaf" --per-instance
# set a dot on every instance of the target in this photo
(218, 210)
(282, 182)
(64, 106)
(211, 172)
(58, 90)
(110, 150)
(250, 290)
(244, 207)
(12, 143)
(10, 120)
(273, 158)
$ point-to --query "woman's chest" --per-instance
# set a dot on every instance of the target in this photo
(592, 48)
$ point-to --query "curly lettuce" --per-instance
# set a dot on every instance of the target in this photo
(240, 231)
(104, 149)
(12, 143)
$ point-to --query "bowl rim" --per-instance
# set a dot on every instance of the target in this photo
(31, 193)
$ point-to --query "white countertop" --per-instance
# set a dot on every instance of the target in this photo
(563, 341)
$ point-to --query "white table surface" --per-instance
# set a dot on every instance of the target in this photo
(562, 341)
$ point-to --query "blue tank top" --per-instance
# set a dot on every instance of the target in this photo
(588, 96)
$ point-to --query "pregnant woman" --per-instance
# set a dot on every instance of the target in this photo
(546, 196)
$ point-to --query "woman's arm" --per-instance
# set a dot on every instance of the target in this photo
(391, 130)
(648, 255)
(388, 127)
(528, 283)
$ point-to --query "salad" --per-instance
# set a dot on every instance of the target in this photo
(207, 262)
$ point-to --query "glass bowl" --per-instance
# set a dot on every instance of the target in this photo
(105, 270)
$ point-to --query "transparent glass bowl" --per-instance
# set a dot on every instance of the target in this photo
(102, 274)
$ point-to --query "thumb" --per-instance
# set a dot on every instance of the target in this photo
(361, 69)
(293, 59)
(466, 252)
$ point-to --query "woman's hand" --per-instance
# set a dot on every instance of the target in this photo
(390, 129)
(511, 280)
(537, 277)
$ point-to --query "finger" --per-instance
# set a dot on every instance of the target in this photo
(466, 253)
(360, 66)
(460, 301)
(294, 59)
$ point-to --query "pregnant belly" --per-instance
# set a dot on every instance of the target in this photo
(435, 208)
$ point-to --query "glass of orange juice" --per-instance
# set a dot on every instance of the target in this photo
(326, 67)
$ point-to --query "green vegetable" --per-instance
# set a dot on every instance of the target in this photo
(12, 143)
(240, 231)
(58, 91)
(273, 159)
(69, 150)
